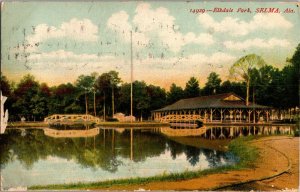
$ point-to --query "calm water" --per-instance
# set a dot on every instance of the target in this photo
(29, 157)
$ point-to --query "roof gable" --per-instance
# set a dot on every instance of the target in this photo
(232, 97)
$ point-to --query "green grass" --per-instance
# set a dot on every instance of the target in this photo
(246, 153)
(27, 124)
(239, 147)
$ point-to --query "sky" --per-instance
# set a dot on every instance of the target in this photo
(58, 41)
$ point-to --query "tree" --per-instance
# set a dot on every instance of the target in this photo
(293, 77)
(25, 94)
(4, 85)
(242, 67)
(266, 86)
(86, 84)
(176, 93)
(65, 98)
(114, 83)
(192, 88)
(40, 102)
(141, 98)
(103, 86)
(157, 97)
(212, 85)
(124, 99)
(235, 87)
(108, 84)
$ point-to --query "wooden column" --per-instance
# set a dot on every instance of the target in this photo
(230, 115)
(235, 115)
(258, 114)
(249, 114)
(211, 115)
(221, 112)
(267, 115)
(194, 116)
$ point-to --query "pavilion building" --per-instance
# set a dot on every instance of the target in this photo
(227, 107)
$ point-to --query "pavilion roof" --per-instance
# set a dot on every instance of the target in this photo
(225, 100)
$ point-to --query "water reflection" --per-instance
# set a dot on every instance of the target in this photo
(113, 153)
(227, 132)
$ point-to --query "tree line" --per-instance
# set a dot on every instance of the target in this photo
(106, 94)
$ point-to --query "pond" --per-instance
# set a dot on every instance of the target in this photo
(31, 157)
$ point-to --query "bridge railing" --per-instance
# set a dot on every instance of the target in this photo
(71, 118)
(178, 118)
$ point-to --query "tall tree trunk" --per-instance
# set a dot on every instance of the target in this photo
(95, 104)
(104, 108)
(113, 102)
(247, 92)
(253, 94)
(86, 104)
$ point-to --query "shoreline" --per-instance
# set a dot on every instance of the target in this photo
(264, 169)
(42, 124)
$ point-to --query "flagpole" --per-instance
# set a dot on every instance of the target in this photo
(131, 77)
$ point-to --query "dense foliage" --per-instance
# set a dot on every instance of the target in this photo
(107, 94)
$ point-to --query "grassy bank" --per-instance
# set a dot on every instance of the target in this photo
(27, 124)
(239, 147)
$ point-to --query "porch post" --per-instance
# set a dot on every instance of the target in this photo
(258, 114)
(230, 115)
(267, 115)
(241, 112)
(249, 114)
(221, 111)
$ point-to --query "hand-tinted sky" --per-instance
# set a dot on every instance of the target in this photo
(58, 41)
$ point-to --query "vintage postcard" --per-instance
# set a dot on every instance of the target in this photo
(149, 95)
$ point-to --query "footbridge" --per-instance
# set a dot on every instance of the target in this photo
(71, 119)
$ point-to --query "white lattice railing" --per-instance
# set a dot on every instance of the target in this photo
(75, 118)
(178, 118)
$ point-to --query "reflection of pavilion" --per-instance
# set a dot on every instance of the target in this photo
(71, 133)
(227, 107)
(227, 132)
(182, 132)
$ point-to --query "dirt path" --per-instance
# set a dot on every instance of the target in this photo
(279, 155)
(289, 180)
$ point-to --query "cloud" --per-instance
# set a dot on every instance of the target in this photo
(151, 25)
(66, 60)
(178, 70)
(203, 38)
(119, 23)
(81, 30)
(237, 27)
(257, 42)
(62, 66)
